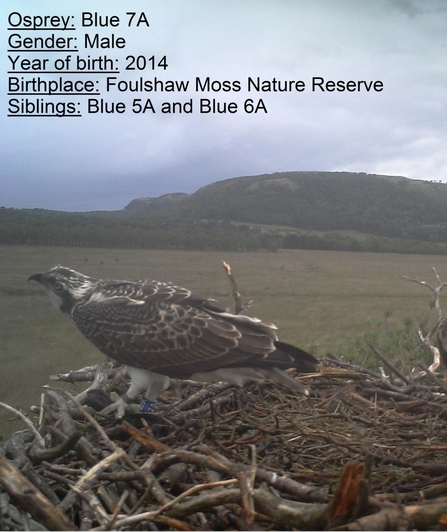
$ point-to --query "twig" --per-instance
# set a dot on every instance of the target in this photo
(148, 516)
(112, 446)
(27, 422)
(40, 455)
(235, 292)
(434, 290)
(86, 480)
(144, 439)
(80, 375)
(390, 365)
(117, 510)
(90, 498)
(246, 483)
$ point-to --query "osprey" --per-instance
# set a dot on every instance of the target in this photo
(159, 330)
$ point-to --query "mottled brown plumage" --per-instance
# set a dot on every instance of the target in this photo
(171, 331)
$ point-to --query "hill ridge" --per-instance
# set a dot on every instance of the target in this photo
(305, 209)
(392, 206)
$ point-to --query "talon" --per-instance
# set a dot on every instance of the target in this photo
(119, 407)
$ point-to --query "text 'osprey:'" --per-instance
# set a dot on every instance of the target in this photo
(159, 330)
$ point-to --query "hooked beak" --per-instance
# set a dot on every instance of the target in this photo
(36, 277)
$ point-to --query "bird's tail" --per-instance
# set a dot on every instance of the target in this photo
(285, 356)
(293, 357)
(277, 376)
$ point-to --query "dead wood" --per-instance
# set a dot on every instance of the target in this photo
(144, 439)
(28, 497)
(25, 420)
(257, 458)
(238, 308)
(346, 496)
(40, 455)
(435, 292)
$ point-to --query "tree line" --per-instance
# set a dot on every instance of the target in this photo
(202, 236)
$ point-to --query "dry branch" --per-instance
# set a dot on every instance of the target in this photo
(144, 439)
(435, 291)
(238, 307)
(28, 497)
(25, 420)
(261, 458)
(347, 495)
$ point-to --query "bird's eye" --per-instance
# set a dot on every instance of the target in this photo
(57, 286)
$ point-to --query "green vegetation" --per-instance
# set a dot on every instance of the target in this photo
(320, 300)
(381, 205)
(400, 342)
(293, 210)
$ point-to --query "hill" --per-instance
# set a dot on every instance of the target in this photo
(155, 204)
(325, 201)
(312, 210)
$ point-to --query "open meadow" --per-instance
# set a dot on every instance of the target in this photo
(318, 299)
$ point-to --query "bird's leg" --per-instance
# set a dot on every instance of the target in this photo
(141, 380)
(150, 397)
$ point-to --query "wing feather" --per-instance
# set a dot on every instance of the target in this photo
(171, 330)
(175, 339)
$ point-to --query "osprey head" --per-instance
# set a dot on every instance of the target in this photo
(65, 287)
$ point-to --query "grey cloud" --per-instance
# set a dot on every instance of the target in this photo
(102, 162)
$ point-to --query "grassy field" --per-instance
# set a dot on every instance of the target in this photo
(316, 298)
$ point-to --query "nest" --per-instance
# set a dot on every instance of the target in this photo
(364, 451)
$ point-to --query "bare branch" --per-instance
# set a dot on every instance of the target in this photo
(426, 340)
(31, 499)
(235, 292)
(27, 422)
(434, 290)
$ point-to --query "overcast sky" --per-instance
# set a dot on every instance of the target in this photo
(103, 161)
